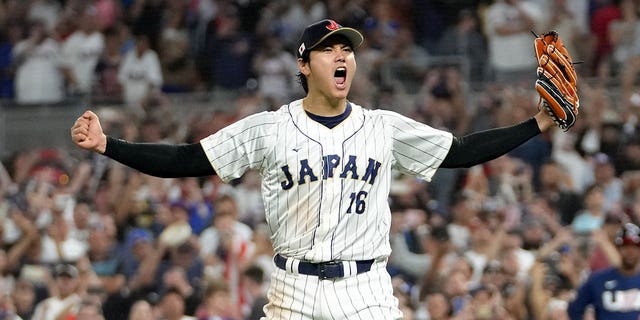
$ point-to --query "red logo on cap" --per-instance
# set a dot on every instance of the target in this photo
(333, 25)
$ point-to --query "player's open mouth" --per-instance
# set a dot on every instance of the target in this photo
(340, 76)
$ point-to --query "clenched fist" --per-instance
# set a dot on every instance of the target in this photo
(87, 133)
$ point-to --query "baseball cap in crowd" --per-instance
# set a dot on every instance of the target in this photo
(138, 235)
(628, 234)
(321, 30)
(65, 270)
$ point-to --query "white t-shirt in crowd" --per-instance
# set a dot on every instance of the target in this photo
(52, 307)
(39, 78)
(511, 52)
(210, 237)
(81, 52)
(138, 74)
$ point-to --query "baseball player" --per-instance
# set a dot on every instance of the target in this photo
(326, 166)
(614, 293)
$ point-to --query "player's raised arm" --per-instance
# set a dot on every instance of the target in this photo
(156, 159)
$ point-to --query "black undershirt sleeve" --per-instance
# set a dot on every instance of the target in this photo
(482, 146)
(189, 160)
(161, 160)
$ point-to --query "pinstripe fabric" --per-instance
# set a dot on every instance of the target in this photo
(326, 190)
(367, 296)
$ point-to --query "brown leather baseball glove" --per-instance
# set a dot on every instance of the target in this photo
(557, 80)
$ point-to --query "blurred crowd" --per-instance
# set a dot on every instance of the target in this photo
(83, 237)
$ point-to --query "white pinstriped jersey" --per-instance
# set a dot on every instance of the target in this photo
(325, 190)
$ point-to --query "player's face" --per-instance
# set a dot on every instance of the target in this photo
(331, 68)
(630, 255)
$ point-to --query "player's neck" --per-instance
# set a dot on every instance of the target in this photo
(323, 106)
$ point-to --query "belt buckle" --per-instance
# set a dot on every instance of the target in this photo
(322, 270)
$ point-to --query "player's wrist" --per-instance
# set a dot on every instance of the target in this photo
(543, 120)
(103, 144)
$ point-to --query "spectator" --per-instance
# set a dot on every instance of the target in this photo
(58, 246)
(178, 65)
(226, 246)
(592, 216)
(513, 294)
(629, 157)
(230, 52)
(82, 217)
(11, 34)
(181, 255)
(140, 255)
(603, 254)
(81, 52)
(105, 256)
(508, 24)
(177, 229)
(404, 63)
(141, 310)
(109, 11)
(296, 17)
(632, 195)
(456, 286)
(566, 21)
(438, 306)
(623, 35)
(216, 303)
(7, 309)
(443, 88)
(416, 259)
(175, 279)
(254, 293)
(39, 77)
(24, 298)
(107, 87)
(484, 304)
(89, 309)
(555, 188)
(140, 74)
(172, 306)
(612, 187)
(249, 199)
(47, 11)
(14, 256)
(461, 217)
(263, 251)
(577, 172)
(145, 17)
(224, 229)
(289, 20)
(199, 210)
(512, 251)
(485, 243)
(463, 39)
(352, 13)
(611, 291)
(601, 19)
(274, 71)
(543, 296)
(64, 299)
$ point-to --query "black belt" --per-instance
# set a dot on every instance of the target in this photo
(323, 270)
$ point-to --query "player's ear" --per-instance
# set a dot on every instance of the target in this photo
(303, 66)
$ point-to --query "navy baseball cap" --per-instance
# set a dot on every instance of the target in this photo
(321, 30)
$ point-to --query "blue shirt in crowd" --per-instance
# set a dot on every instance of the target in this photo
(612, 295)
